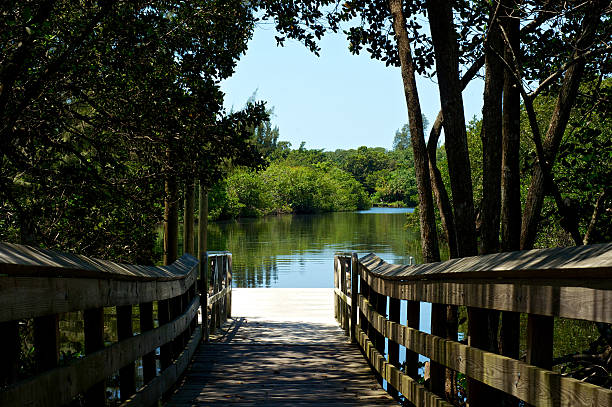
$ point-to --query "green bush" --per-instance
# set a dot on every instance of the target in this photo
(286, 188)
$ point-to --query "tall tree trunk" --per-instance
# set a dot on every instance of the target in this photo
(511, 133)
(444, 39)
(599, 205)
(439, 189)
(491, 136)
(170, 214)
(510, 182)
(171, 222)
(483, 323)
(429, 239)
(188, 221)
(447, 69)
(558, 123)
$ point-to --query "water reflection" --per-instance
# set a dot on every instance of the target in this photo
(298, 250)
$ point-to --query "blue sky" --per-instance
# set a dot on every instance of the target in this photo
(337, 100)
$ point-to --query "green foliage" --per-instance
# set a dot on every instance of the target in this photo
(246, 194)
(582, 171)
(287, 188)
(99, 101)
(396, 185)
(401, 141)
(386, 177)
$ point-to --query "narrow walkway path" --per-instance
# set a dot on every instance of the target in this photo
(283, 347)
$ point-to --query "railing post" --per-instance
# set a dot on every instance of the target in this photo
(223, 282)
(540, 330)
(175, 311)
(381, 307)
(204, 297)
(146, 324)
(219, 287)
(9, 352)
(373, 334)
(365, 291)
(194, 294)
(93, 321)
(203, 258)
(46, 342)
(394, 316)
(163, 317)
(413, 320)
(336, 286)
(212, 290)
(185, 300)
(348, 290)
(482, 333)
(354, 295)
(127, 378)
(343, 305)
(229, 285)
(437, 377)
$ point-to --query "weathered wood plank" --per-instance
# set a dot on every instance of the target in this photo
(74, 379)
(346, 299)
(218, 296)
(592, 261)
(413, 391)
(150, 393)
(247, 374)
(23, 260)
(529, 383)
(282, 347)
(28, 297)
(544, 297)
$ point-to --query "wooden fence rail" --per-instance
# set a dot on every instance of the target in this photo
(40, 285)
(568, 282)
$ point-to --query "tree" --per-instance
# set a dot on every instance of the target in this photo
(401, 141)
(98, 101)
(461, 33)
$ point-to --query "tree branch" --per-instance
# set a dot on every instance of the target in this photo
(570, 224)
(565, 66)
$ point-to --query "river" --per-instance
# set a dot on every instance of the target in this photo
(298, 250)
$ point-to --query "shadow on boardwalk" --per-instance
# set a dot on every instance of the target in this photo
(261, 359)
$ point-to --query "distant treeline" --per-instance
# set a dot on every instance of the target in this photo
(312, 181)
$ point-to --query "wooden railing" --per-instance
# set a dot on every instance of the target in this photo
(219, 293)
(568, 283)
(40, 285)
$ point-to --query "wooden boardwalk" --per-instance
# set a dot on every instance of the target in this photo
(282, 347)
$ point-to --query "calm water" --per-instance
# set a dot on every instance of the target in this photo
(298, 250)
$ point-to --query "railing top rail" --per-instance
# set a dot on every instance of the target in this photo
(22, 261)
(350, 253)
(218, 253)
(593, 261)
